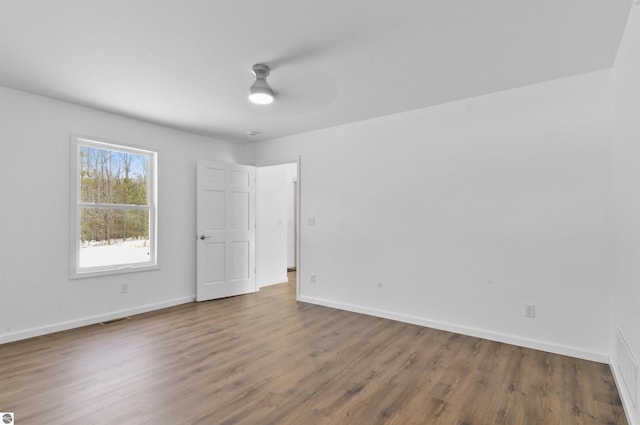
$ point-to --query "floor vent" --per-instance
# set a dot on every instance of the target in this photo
(627, 367)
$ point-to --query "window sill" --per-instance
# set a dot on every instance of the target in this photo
(114, 271)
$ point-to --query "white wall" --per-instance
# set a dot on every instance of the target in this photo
(455, 216)
(272, 223)
(626, 194)
(37, 295)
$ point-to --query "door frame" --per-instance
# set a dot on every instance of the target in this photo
(298, 201)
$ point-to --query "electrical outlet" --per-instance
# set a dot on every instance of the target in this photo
(312, 278)
(124, 287)
(530, 310)
(311, 221)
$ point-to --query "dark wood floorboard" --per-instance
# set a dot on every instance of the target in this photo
(264, 359)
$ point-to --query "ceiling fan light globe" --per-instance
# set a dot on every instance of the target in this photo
(260, 92)
(261, 98)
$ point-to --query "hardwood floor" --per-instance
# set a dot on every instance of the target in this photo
(265, 359)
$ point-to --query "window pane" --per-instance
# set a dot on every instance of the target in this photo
(112, 177)
(112, 236)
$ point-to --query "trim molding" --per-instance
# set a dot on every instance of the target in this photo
(627, 404)
(464, 330)
(91, 320)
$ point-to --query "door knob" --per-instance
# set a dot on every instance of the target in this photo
(203, 237)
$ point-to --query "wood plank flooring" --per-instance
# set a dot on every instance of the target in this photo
(265, 359)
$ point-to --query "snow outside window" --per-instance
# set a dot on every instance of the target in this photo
(113, 208)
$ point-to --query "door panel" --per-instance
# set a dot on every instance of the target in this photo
(226, 230)
(239, 260)
(241, 209)
(214, 266)
(214, 204)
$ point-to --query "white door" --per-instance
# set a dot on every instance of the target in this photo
(226, 230)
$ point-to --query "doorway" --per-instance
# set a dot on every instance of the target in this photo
(277, 229)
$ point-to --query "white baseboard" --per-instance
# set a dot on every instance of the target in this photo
(92, 320)
(629, 409)
(464, 330)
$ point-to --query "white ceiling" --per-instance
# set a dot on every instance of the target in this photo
(186, 63)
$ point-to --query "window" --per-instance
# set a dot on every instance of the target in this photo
(113, 208)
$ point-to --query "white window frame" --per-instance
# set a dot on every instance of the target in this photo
(77, 142)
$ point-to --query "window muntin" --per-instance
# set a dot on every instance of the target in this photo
(114, 225)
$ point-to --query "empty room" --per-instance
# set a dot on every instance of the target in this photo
(320, 212)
